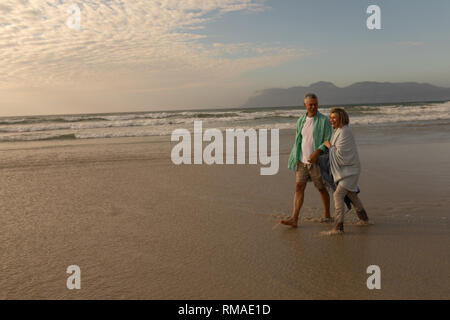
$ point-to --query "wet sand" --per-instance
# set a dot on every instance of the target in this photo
(140, 227)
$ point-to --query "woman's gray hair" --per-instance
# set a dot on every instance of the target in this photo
(343, 116)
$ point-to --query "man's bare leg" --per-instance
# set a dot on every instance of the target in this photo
(299, 195)
(326, 203)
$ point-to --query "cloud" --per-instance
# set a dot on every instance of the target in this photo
(128, 45)
(5, 8)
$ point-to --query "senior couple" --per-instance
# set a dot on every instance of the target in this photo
(330, 143)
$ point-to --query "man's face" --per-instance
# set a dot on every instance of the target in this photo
(311, 106)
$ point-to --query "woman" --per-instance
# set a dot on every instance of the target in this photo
(345, 168)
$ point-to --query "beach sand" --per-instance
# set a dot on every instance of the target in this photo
(141, 227)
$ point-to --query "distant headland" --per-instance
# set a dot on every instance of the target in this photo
(357, 93)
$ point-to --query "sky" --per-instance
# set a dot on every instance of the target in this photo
(144, 55)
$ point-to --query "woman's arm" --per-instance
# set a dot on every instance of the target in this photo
(344, 149)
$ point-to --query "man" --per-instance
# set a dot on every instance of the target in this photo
(313, 129)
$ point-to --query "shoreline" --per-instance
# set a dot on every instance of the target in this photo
(230, 108)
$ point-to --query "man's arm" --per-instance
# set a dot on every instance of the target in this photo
(292, 157)
(297, 132)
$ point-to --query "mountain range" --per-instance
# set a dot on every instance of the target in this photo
(357, 93)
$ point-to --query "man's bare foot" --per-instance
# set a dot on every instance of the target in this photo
(292, 222)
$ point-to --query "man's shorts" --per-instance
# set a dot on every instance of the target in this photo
(309, 172)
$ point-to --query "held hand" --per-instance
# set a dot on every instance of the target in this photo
(327, 144)
(313, 157)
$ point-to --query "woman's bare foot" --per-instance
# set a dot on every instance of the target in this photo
(362, 215)
(332, 232)
(292, 222)
(338, 229)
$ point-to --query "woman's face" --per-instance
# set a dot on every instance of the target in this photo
(334, 120)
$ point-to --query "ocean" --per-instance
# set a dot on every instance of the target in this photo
(160, 123)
